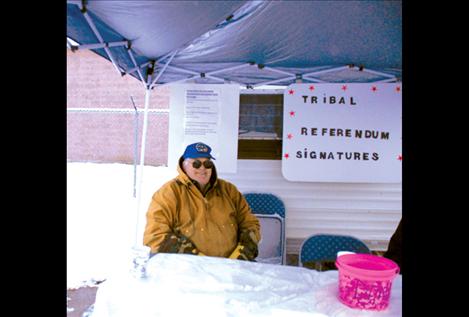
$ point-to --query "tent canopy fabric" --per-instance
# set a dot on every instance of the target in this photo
(247, 42)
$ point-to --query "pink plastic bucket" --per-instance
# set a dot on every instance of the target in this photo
(365, 280)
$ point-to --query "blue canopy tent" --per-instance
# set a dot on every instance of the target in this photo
(248, 42)
(251, 43)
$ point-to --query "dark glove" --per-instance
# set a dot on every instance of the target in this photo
(247, 247)
(177, 243)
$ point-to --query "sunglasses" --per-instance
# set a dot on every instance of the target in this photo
(207, 164)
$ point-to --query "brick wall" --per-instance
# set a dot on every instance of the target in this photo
(92, 82)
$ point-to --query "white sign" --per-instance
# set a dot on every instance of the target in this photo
(201, 113)
(205, 113)
(343, 133)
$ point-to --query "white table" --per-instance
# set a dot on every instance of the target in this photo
(186, 285)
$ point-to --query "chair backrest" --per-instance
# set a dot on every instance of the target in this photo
(265, 203)
(324, 247)
(270, 211)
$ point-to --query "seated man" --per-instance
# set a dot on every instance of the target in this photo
(198, 213)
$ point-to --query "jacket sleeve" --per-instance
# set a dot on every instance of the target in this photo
(160, 217)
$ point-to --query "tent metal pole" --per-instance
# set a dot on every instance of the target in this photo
(150, 73)
(278, 71)
(135, 146)
(313, 79)
(326, 71)
(179, 81)
(160, 60)
(99, 45)
(131, 55)
(389, 80)
(228, 69)
(129, 71)
(214, 78)
(183, 70)
(69, 44)
(100, 39)
(142, 161)
(197, 75)
(378, 73)
(209, 74)
(275, 81)
(163, 70)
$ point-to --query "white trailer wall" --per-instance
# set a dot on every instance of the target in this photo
(368, 211)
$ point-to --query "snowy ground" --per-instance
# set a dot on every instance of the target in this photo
(102, 219)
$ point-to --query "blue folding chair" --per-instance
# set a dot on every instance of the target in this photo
(270, 211)
(320, 248)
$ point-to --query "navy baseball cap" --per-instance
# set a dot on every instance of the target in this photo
(196, 150)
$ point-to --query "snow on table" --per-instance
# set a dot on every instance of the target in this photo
(178, 284)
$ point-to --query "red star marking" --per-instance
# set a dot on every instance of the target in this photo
(291, 91)
(290, 135)
(399, 157)
(398, 88)
(344, 87)
(374, 88)
(292, 113)
(311, 87)
(286, 155)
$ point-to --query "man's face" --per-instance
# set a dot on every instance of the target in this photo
(202, 174)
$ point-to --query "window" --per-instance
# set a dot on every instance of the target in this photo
(260, 126)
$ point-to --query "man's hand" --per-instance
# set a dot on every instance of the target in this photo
(247, 247)
(178, 243)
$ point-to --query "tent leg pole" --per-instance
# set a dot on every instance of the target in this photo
(135, 146)
(142, 161)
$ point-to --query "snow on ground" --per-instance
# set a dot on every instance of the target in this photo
(102, 218)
